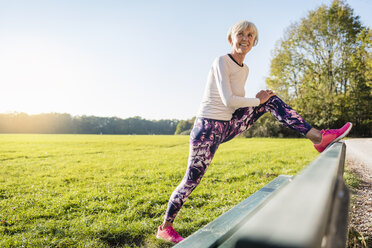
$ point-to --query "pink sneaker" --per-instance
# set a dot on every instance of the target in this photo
(169, 234)
(331, 136)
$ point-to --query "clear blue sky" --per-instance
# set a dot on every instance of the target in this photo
(131, 58)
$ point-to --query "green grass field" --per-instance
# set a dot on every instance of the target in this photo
(105, 191)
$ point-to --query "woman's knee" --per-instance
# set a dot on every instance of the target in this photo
(273, 99)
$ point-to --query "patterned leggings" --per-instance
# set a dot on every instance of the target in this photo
(208, 134)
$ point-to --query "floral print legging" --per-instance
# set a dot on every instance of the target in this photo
(208, 134)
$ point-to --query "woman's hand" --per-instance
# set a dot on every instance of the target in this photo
(265, 95)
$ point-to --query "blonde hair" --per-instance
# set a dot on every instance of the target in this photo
(241, 26)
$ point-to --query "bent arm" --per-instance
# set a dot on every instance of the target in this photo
(230, 100)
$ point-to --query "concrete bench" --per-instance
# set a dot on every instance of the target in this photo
(310, 210)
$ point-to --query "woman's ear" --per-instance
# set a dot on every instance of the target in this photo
(229, 40)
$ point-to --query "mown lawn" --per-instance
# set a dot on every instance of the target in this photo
(105, 191)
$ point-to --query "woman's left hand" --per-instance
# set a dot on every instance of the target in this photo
(265, 95)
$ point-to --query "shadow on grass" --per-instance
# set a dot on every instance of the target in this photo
(119, 239)
(131, 239)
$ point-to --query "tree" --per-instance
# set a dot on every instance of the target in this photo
(322, 67)
(185, 126)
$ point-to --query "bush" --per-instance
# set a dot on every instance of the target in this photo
(268, 126)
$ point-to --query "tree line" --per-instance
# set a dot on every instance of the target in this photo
(56, 123)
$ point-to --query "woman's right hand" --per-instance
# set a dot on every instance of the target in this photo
(264, 95)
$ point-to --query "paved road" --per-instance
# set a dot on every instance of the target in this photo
(360, 150)
(359, 156)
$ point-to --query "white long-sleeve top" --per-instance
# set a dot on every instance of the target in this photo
(224, 92)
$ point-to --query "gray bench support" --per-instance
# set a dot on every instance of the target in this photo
(224, 226)
(311, 211)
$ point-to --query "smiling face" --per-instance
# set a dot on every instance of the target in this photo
(242, 41)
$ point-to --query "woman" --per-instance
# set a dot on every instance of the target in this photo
(225, 113)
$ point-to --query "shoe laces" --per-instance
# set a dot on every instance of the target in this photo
(329, 131)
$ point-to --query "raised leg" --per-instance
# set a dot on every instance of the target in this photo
(244, 118)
